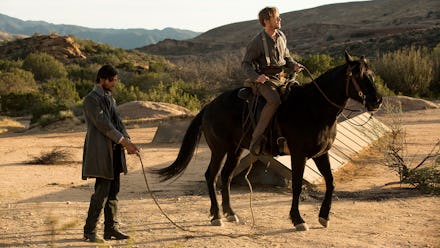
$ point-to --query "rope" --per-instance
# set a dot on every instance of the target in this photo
(251, 163)
(155, 199)
(185, 229)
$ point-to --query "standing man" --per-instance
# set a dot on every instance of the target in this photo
(266, 57)
(104, 156)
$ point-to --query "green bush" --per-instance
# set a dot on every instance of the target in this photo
(407, 71)
(318, 63)
(435, 84)
(8, 65)
(78, 73)
(146, 81)
(60, 115)
(175, 93)
(16, 104)
(123, 94)
(44, 66)
(16, 80)
(60, 91)
(56, 95)
(45, 110)
(83, 87)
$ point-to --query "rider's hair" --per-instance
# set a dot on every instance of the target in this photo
(266, 14)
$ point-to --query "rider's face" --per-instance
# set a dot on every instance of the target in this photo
(275, 21)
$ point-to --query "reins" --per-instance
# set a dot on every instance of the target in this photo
(325, 96)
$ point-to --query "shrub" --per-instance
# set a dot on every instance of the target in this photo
(16, 80)
(60, 91)
(8, 65)
(123, 94)
(83, 87)
(406, 71)
(44, 66)
(175, 93)
(435, 84)
(16, 104)
(56, 95)
(426, 174)
(318, 63)
(78, 73)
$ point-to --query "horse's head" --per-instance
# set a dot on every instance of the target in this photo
(360, 83)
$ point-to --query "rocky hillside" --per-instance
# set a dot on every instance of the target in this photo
(367, 28)
(63, 48)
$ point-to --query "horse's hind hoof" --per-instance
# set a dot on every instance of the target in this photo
(302, 227)
(233, 218)
(324, 222)
(217, 222)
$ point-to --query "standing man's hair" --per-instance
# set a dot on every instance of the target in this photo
(266, 14)
(106, 72)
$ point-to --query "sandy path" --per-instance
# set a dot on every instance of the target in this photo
(44, 205)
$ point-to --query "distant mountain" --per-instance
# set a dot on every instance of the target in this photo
(124, 38)
(364, 28)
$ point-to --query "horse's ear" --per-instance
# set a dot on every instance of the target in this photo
(363, 59)
(348, 57)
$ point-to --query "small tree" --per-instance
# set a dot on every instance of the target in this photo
(44, 66)
(17, 81)
(60, 91)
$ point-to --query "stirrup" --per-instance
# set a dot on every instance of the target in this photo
(282, 145)
(245, 94)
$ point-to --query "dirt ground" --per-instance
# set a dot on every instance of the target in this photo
(46, 205)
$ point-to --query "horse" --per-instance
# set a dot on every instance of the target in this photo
(307, 120)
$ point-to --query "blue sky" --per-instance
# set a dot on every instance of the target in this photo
(196, 15)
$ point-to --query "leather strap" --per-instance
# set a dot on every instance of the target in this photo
(266, 49)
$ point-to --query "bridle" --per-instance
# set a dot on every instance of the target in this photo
(351, 78)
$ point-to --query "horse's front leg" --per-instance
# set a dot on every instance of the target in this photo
(298, 164)
(323, 164)
(226, 176)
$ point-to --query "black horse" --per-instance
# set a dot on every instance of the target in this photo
(306, 119)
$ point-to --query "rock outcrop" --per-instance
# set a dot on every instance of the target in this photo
(63, 48)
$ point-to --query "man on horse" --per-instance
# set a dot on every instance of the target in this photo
(266, 57)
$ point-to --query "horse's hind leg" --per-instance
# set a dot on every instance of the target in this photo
(211, 175)
(323, 165)
(226, 177)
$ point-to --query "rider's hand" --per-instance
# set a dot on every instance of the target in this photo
(298, 67)
(262, 78)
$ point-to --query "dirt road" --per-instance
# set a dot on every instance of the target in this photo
(45, 205)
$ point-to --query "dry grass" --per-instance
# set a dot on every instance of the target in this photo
(56, 156)
(8, 124)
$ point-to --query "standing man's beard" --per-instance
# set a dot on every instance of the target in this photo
(107, 89)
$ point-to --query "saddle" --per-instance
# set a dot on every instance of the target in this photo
(274, 143)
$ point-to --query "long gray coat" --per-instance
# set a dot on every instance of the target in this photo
(101, 131)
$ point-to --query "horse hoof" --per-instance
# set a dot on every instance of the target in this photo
(324, 222)
(217, 222)
(302, 227)
(233, 218)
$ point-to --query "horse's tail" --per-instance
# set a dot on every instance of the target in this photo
(189, 143)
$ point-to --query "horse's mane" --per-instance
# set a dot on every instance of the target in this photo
(330, 72)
